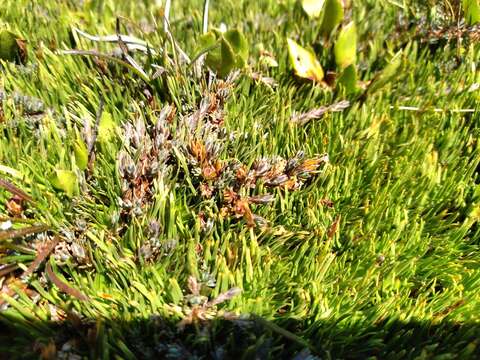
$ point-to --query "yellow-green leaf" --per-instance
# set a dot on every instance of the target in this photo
(12, 47)
(66, 181)
(304, 62)
(348, 79)
(174, 291)
(346, 46)
(106, 128)
(192, 266)
(475, 213)
(239, 45)
(313, 8)
(226, 51)
(472, 11)
(332, 15)
(81, 154)
(228, 58)
(206, 43)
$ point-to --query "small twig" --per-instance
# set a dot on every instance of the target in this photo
(17, 220)
(7, 269)
(224, 297)
(41, 256)
(414, 108)
(16, 233)
(205, 16)
(175, 46)
(63, 286)
(124, 48)
(132, 43)
(138, 71)
(15, 190)
(10, 171)
(317, 113)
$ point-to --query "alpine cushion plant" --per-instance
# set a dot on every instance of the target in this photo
(301, 185)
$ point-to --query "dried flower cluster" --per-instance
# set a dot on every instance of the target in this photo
(144, 159)
(153, 247)
(237, 183)
(449, 33)
(199, 140)
(201, 309)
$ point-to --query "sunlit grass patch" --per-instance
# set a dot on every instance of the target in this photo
(150, 209)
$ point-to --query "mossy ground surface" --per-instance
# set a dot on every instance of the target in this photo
(376, 254)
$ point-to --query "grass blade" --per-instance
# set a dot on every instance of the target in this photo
(15, 190)
(63, 286)
(16, 233)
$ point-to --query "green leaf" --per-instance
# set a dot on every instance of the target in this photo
(239, 45)
(214, 58)
(81, 154)
(228, 59)
(221, 59)
(346, 46)
(472, 11)
(106, 128)
(226, 51)
(387, 74)
(174, 291)
(192, 265)
(12, 48)
(268, 61)
(304, 62)
(206, 42)
(66, 181)
(313, 8)
(348, 79)
(332, 15)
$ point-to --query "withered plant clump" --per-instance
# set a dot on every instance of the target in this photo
(157, 149)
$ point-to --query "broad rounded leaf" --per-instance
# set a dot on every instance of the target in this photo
(346, 46)
(214, 57)
(332, 15)
(66, 181)
(12, 48)
(472, 11)
(206, 42)
(239, 45)
(228, 58)
(304, 62)
(313, 8)
(226, 51)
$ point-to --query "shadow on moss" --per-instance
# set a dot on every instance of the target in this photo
(255, 338)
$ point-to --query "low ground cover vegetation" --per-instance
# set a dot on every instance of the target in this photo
(249, 179)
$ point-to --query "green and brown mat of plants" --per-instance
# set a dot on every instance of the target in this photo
(265, 179)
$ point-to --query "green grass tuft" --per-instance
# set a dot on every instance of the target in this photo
(175, 214)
